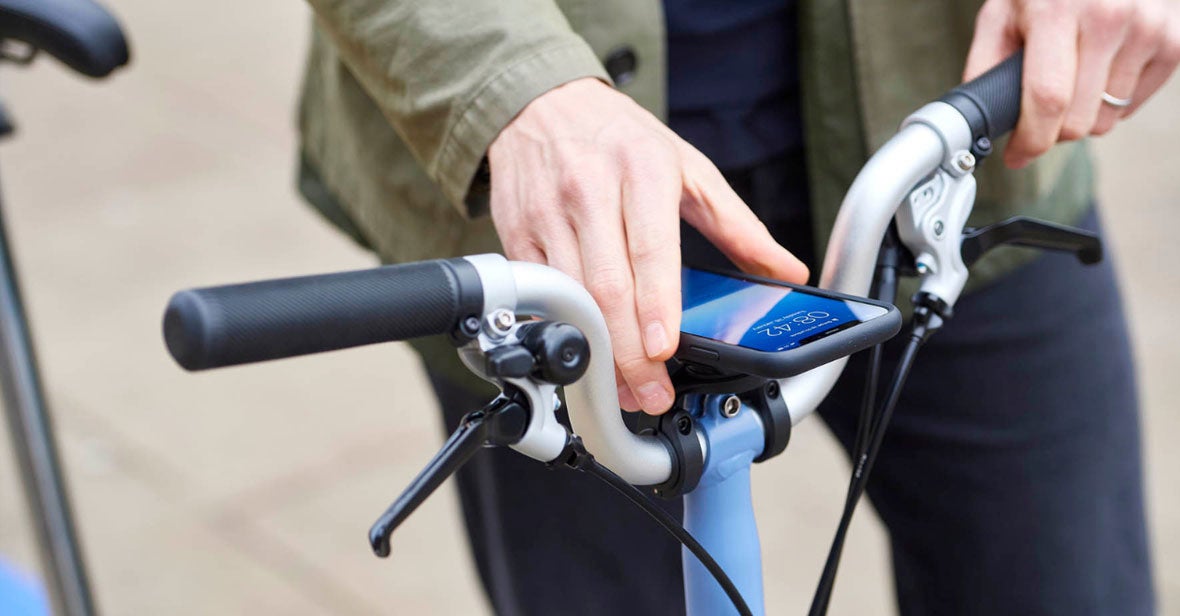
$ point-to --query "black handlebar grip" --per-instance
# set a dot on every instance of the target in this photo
(258, 321)
(991, 102)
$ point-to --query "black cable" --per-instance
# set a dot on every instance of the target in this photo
(582, 460)
(884, 289)
(922, 329)
(868, 404)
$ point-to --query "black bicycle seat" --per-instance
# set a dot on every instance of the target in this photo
(79, 33)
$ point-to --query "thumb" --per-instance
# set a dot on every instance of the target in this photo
(714, 209)
(996, 38)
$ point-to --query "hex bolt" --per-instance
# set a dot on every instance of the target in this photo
(684, 424)
(772, 389)
(731, 406)
(938, 227)
(501, 321)
(965, 161)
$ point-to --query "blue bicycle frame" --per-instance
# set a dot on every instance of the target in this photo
(720, 511)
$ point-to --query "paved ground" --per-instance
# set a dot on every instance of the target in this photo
(250, 490)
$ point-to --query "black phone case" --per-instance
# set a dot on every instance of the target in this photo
(731, 359)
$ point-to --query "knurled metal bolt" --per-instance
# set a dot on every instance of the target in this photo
(965, 161)
(731, 406)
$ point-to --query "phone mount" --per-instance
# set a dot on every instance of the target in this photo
(681, 427)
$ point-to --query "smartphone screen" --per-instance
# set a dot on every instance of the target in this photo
(761, 316)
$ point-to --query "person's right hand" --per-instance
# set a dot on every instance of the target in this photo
(587, 181)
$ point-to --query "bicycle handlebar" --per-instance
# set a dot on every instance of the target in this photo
(258, 321)
(222, 326)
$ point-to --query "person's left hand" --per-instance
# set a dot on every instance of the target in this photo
(1074, 50)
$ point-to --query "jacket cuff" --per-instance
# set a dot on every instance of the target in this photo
(459, 168)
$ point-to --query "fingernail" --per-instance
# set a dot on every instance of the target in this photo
(654, 339)
(654, 397)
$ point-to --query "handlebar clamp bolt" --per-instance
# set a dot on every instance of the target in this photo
(501, 321)
(731, 406)
(965, 161)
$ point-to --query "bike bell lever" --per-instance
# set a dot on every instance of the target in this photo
(503, 421)
(1031, 233)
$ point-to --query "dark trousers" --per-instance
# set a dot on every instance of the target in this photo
(1010, 479)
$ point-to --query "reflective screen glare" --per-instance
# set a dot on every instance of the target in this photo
(760, 316)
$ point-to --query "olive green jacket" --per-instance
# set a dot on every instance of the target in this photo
(402, 99)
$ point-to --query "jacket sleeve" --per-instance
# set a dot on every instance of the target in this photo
(450, 74)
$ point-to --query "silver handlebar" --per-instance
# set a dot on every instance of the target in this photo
(930, 142)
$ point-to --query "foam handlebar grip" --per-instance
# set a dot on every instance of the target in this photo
(991, 102)
(259, 321)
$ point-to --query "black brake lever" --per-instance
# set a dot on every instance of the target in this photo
(1031, 233)
(503, 421)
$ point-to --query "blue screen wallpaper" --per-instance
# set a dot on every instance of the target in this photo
(759, 316)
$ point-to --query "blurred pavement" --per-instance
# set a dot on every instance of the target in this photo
(251, 490)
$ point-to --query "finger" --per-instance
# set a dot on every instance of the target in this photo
(606, 267)
(996, 38)
(559, 241)
(1100, 35)
(1142, 42)
(1050, 68)
(651, 215)
(627, 399)
(1161, 66)
(714, 209)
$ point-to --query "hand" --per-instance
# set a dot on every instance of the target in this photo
(1073, 51)
(587, 181)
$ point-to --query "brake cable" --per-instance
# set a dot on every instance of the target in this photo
(929, 315)
(576, 457)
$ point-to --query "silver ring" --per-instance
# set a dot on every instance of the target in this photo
(1115, 101)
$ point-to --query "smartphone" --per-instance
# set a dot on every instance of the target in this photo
(740, 324)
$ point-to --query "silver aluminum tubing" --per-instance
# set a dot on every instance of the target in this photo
(851, 257)
(594, 400)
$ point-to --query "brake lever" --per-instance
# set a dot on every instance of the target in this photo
(503, 421)
(1031, 233)
(527, 361)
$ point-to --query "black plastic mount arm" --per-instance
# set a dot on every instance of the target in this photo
(259, 321)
